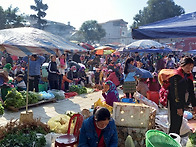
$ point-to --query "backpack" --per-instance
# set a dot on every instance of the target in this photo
(163, 78)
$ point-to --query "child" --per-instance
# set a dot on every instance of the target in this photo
(20, 84)
(110, 93)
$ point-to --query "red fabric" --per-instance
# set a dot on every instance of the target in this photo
(112, 77)
(101, 142)
(181, 73)
(163, 93)
(70, 94)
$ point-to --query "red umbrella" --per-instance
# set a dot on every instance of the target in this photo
(86, 46)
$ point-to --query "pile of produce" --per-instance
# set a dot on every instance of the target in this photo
(24, 135)
(33, 97)
(18, 99)
(192, 138)
(14, 98)
(78, 88)
(59, 123)
(1, 109)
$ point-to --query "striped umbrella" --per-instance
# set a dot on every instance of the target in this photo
(26, 41)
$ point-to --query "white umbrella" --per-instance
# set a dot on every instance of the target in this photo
(144, 44)
(26, 41)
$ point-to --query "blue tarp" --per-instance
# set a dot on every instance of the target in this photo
(182, 26)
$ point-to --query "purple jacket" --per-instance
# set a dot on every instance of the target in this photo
(110, 98)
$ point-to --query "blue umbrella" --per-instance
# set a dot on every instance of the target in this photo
(146, 74)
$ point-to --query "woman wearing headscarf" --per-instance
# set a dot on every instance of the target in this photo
(110, 93)
(181, 93)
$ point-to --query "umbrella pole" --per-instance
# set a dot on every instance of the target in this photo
(27, 85)
(28, 116)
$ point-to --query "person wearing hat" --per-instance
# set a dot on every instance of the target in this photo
(181, 94)
(19, 83)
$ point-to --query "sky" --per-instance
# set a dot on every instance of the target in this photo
(78, 11)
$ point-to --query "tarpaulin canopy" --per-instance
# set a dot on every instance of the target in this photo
(182, 26)
(26, 41)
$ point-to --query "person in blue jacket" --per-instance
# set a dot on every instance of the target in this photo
(35, 64)
(98, 130)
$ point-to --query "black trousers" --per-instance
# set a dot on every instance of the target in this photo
(175, 119)
(66, 86)
(33, 83)
(60, 81)
(53, 84)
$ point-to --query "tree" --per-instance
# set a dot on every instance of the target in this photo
(12, 19)
(92, 31)
(40, 8)
(2, 18)
(157, 10)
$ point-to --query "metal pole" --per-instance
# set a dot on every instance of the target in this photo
(27, 85)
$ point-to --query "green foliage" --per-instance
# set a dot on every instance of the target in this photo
(2, 18)
(1, 109)
(10, 19)
(157, 10)
(23, 139)
(18, 99)
(33, 97)
(14, 98)
(192, 138)
(92, 31)
(78, 88)
(40, 8)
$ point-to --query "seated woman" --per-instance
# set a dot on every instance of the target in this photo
(98, 130)
(83, 79)
(110, 93)
(73, 75)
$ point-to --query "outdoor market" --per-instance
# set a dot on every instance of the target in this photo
(63, 93)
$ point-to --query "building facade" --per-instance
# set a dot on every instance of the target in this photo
(116, 32)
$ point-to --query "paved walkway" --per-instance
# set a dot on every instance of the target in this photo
(48, 110)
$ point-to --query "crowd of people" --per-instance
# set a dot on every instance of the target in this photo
(110, 72)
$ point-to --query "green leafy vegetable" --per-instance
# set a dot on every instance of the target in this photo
(1, 109)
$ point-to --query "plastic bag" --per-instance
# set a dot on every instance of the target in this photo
(59, 123)
(45, 95)
(146, 101)
(59, 94)
(103, 104)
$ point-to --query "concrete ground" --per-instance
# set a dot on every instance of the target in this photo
(48, 110)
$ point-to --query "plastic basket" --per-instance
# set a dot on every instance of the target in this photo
(43, 87)
(128, 100)
(155, 138)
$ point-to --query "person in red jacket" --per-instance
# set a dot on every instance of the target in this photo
(113, 77)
